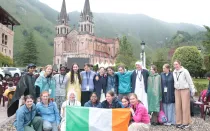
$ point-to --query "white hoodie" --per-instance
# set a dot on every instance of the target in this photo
(183, 80)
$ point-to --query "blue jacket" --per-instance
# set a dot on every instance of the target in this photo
(89, 104)
(87, 79)
(124, 82)
(46, 84)
(50, 113)
(24, 117)
(167, 82)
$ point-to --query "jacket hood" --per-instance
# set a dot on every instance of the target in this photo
(150, 74)
(181, 69)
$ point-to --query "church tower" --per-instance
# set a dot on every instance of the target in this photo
(62, 29)
(86, 24)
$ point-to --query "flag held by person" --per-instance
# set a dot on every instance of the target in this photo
(96, 119)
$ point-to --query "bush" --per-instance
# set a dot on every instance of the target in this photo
(200, 87)
(190, 58)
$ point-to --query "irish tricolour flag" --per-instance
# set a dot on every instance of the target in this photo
(96, 119)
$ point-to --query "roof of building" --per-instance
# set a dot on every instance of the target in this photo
(8, 19)
(106, 40)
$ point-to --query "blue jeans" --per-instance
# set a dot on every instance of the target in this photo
(48, 126)
(169, 110)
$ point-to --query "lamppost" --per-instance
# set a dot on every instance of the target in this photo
(199, 49)
(142, 51)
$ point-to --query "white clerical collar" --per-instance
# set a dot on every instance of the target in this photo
(138, 71)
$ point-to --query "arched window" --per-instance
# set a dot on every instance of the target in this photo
(85, 27)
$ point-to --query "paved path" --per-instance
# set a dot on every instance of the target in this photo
(3, 113)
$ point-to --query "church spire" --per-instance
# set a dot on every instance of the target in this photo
(63, 17)
(86, 9)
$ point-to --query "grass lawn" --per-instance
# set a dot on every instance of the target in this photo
(201, 81)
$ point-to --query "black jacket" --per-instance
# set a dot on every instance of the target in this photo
(115, 104)
(167, 82)
(24, 87)
(100, 85)
(145, 75)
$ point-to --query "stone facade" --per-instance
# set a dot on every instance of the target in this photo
(71, 43)
(6, 41)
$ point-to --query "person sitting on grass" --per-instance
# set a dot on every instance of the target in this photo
(25, 117)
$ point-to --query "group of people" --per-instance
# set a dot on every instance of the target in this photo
(145, 92)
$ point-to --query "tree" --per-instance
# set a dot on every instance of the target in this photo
(29, 53)
(125, 54)
(206, 43)
(5, 60)
(190, 58)
(160, 58)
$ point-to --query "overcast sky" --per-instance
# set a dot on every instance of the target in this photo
(174, 11)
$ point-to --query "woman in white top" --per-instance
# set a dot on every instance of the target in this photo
(184, 87)
(72, 101)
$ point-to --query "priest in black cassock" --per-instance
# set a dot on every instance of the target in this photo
(139, 80)
(26, 86)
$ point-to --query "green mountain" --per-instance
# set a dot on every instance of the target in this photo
(41, 19)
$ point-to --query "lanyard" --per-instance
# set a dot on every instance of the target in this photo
(177, 76)
(88, 77)
(140, 77)
(60, 80)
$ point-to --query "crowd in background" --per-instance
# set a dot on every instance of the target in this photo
(152, 98)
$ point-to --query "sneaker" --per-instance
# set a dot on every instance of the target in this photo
(185, 126)
(179, 126)
(167, 124)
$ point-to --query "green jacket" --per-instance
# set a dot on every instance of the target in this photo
(124, 82)
(154, 92)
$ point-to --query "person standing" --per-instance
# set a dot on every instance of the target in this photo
(112, 81)
(168, 96)
(184, 87)
(24, 87)
(60, 89)
(139, 80)
(75, 81)
(154, 94)
(45, 82)
(100, 82)
(26, 119)
(87, 83)
(124, 88)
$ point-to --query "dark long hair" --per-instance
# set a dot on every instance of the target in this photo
(72, 74)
